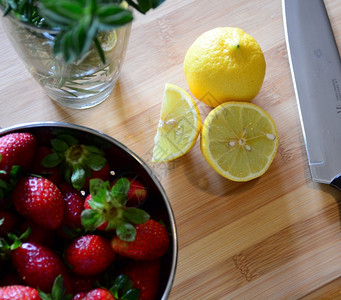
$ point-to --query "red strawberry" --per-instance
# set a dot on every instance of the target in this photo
(82, 284)
(145, 276)
(79, 296)
(18, 292)
(74, 202)
(9, 222)
(39, 266)
(37, 167)
(89, 255)
(38, 199)
(105, 209)
(96, 294)
(16, 149)
(151, 242)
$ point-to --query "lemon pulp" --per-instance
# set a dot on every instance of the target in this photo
(178, 127)
(239, 140)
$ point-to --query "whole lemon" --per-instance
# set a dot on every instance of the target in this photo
(224, 64)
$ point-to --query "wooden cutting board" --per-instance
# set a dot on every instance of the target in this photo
(276, 237)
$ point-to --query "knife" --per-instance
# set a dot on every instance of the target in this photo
(316, 72)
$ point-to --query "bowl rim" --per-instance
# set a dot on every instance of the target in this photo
(67, 125)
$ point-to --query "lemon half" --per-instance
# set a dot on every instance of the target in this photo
(239, 140)
(178, 127)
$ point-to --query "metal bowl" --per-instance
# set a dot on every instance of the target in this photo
(122, 161)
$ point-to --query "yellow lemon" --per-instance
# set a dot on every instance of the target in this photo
(224, 64)
(239, 140)
(178, 127)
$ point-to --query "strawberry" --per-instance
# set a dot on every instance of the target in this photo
(145, 276)
(82, 284)
(105, 208)
(39, 266)
(89, 255)
(16, 149)
(151, 242)
(79, 296)
(76, 161)
(38, 199)
(74, 202)
(99, 294)
(18, 292)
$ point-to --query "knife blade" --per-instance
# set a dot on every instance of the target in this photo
(316, 72)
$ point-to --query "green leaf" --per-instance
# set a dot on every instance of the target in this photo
(55, 14)
(123, 288)
(2, 221)
(144, 5)
(78, 178)
(51, 160)
(91, 219)
(25, 234)
(44, 296)
(136, 215)
(59, 145)
(132, 294)
(126, 232)
(99, 50)
(119, 283)
(68, 139)
(4, 247)
(98, 190)
(58, 291)
(94, 149)
(120, 190)
(78, 21)
(111, 16)
(58, 288)
(16, 241)
(3, 184)
(95, 161)
(16, 172)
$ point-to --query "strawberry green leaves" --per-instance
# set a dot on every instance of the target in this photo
(58, 291)
(107, 206)
(76, 161)
(123, 289)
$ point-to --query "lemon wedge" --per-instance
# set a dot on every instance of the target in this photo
(178, 127)
(239, 140)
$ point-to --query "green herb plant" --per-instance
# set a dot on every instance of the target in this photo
(77, 22)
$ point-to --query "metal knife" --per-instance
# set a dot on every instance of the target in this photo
(316, 71)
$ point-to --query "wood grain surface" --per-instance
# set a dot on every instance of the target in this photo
(276, 237)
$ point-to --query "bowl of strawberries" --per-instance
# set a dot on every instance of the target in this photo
(81, 217)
